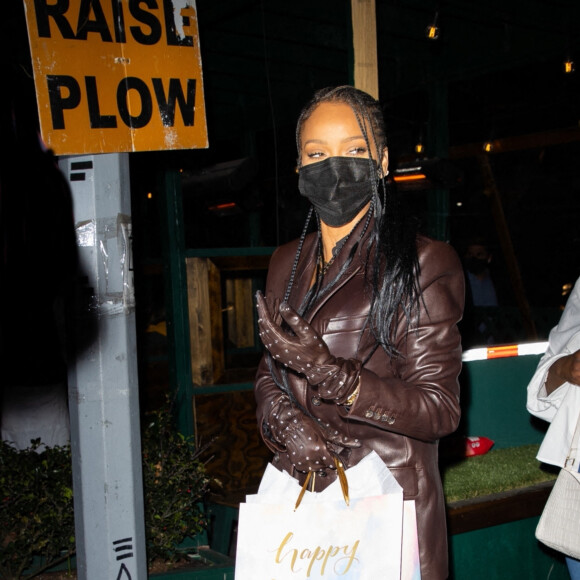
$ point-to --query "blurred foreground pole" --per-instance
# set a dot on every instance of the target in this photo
(103, 386)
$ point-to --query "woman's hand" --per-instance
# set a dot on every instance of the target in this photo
(308, 445)
(306, 353)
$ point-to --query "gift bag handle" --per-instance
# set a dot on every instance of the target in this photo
(311, 478)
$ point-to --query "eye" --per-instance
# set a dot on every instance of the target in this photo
(315, 154)
(358, 151)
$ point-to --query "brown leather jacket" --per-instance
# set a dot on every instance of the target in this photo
(405, 405)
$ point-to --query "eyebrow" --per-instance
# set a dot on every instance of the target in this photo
(323, 142)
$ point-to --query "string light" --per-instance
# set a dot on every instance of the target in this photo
(488, 146)
(432, 31)
(419, 147)
(568, 66)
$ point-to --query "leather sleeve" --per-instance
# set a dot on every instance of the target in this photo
(266, 392)
(419, 395)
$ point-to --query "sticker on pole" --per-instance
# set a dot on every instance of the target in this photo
(116, 76)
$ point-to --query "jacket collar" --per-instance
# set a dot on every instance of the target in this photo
(308, 260)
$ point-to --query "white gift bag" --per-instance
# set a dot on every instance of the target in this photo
(372, 538)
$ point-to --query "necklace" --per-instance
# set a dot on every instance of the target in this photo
(324, 266)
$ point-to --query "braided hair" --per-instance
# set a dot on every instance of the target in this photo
(392, 266)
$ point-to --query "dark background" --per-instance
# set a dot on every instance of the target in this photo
(495, 72)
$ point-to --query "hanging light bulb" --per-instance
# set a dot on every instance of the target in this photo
(419, 147)
(568, 66)
(432, 31)
(488, 146)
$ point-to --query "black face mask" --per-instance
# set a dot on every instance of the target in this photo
(338, 188)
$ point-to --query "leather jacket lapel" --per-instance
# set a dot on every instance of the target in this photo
(355, 266)
(304, 271)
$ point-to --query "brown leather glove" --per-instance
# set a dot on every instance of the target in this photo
(307, 443)
(306, 353)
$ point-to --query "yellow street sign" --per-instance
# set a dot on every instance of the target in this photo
(117, 75)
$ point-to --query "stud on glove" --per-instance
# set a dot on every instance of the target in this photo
(306, 353)
(309, 445)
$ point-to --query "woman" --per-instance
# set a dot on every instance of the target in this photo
(360, 323)
(554, 393)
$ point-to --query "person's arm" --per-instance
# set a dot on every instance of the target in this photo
(268, 395)
(564, 370)
(283, 425)
(550, 383)
(421, 399)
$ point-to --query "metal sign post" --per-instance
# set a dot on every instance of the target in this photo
(111, 78)
(103, 387)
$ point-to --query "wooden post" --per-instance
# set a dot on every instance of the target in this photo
(240, 317)
(205, 321)
(364, 39)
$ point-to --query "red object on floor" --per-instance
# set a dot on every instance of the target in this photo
(477, 446)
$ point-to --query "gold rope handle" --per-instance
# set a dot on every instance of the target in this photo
(309, 475)
(342, 479)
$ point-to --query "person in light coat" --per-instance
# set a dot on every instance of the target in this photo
(554, 391)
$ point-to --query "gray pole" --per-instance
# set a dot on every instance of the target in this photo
(103, 386)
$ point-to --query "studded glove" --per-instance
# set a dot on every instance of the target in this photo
(305, 352)
(309, 445)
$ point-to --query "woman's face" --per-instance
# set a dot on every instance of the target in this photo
(333, 131)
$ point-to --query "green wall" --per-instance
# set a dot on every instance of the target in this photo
(493, 401)
(508, 551)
